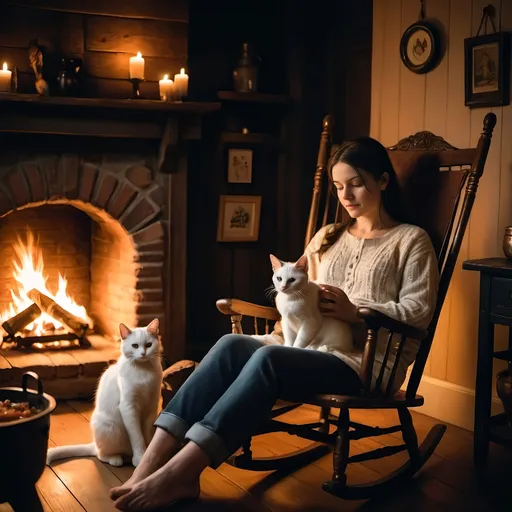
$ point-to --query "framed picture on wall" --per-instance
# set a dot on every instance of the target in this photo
(240, 166)
(239, 218)
(487, 70)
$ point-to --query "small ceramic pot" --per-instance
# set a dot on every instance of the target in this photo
(507, 243)
(504, 390)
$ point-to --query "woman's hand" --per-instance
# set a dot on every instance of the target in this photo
(335, 303)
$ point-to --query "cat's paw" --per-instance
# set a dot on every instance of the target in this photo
(137, 457)
(113, 460)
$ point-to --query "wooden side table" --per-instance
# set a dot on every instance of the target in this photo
(495, 308)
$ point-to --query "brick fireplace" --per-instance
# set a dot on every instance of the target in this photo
(99, 223)
(112, 222)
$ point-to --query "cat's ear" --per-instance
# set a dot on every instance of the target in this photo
(125, 332)
(153, 327)
(276, 262)
(302, 263)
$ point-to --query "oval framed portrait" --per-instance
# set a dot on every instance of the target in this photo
(420, 47)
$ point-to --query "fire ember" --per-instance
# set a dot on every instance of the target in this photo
(36, 317)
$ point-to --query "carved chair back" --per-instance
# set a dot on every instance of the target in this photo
(438, 183)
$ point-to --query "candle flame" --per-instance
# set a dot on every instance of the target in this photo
(139, 55)
(182, 71)
(4, 67)
(166, 77)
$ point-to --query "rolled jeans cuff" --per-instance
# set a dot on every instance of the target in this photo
(172, 424)
(210, 442)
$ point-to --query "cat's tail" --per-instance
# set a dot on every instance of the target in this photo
(74, 450)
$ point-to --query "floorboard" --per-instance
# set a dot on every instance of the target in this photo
(447, 482)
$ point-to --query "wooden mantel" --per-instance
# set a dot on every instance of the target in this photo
(170, 125)
(94, 117)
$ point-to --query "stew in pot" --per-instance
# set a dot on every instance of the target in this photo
(11, 411)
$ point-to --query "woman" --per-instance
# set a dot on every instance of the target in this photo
(375, 260)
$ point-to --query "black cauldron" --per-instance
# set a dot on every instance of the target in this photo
(23, 446)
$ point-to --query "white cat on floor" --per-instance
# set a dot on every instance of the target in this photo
(127, 402)
(297, 302)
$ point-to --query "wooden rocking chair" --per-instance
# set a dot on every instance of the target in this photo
(439, 183)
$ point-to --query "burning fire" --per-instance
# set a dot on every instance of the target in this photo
(29, 274)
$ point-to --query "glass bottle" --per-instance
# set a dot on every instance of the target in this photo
(245, 75)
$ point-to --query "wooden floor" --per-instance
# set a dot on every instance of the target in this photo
(447, 482)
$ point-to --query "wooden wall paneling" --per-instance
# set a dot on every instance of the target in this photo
(252, 270)
(457, 133)
(356, 100)
(436, 106)
(116, 65)
(117, 89)
(461, 363)
(59, 29)
(378, 58)
(411, 117)
(436, 81)
(391, 69)
(173, 10)
(151, 38)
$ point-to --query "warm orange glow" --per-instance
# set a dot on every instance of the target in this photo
(139, 55)
(29, 274)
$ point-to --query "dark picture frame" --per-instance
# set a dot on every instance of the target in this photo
(239, 218)
(421, 47)
(487, 70)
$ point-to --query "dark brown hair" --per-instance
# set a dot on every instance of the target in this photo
(366, 154)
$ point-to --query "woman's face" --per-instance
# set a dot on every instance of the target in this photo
(358, 197)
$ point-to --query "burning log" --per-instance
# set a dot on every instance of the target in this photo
(23, 318)
(48, 305)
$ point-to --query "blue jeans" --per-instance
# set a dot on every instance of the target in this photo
(232, 391)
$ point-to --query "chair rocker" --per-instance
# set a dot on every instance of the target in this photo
(439, 183)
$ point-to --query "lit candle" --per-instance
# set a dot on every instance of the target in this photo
(167, 89)
(5, 79)
(137, 67)
(181, 84)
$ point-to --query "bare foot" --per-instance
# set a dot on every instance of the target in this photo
(157, 491)
(160, 450)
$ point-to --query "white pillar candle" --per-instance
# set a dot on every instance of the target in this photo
(181, 84)
(137, 67)
(5, 79)
(167, 89)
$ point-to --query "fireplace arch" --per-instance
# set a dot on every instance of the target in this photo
(124, 202)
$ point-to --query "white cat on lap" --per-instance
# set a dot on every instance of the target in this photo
(297, 302)
(127, 402)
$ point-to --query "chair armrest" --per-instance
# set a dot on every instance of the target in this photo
(376, 320)
(241, 307)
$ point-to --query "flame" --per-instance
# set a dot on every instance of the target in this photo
(29, 274)
(139, 55)
(4, 67)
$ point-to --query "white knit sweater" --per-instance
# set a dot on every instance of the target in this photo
(395, 274)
